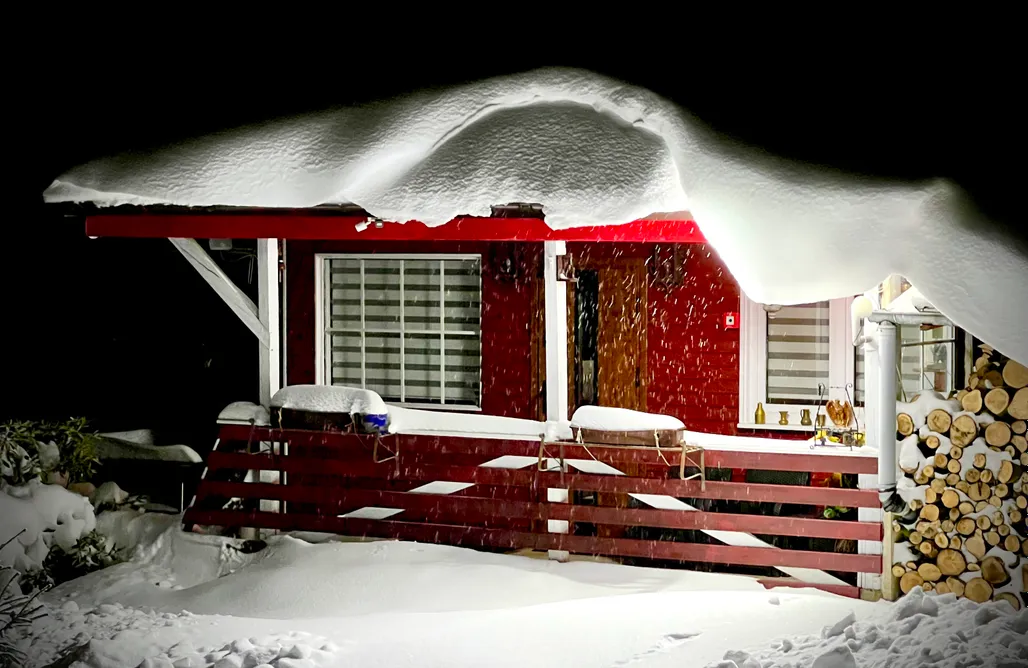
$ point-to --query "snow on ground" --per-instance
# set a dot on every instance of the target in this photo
(593, 150)
(45, 515)
(190, 600)
(198, 600)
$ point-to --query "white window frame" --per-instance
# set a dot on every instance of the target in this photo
(753, 365)
(323, 361)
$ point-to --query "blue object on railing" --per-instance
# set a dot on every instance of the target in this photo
(376, 422)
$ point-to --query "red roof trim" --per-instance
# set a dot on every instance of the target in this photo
(314, 227)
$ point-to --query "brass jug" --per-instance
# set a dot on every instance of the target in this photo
(805, 417)
(759, 417)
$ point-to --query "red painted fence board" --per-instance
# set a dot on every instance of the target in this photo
(729, 491)
(477, 509)
(501, 538)
(812, 462)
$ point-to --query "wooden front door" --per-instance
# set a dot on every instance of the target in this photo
(614, 357)
(618, 348)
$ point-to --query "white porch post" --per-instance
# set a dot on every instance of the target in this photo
(555, 309)
(872, 581)
(556, 306)
(268, 293)
(269, 358)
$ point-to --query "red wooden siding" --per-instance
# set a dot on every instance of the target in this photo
(693, 361)
(506, 317)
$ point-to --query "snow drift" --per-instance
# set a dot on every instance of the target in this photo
(596, 151)
(920, 629)
(46, 515)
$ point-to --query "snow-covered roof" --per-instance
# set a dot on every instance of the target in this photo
(593, 151)
(911, 302)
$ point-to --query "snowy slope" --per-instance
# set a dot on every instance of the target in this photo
(189, 600)
(595, 151)
(392, 603)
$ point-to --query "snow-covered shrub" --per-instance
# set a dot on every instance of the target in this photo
(90, 553)
(17, 465)
(65, 447)
(41, 516)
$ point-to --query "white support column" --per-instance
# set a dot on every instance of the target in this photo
(268, 300)
(555, 309)
(871, 581)
(269, 359)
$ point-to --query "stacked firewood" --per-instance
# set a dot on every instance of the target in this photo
(965, 466)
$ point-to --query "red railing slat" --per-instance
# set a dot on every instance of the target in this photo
(491, 448)
(478, 509)
(729, 491)
(503, 538)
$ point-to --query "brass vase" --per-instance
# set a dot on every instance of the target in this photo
(758, 416)
(805, 417)
(784, 419)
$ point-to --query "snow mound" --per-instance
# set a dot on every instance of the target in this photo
(138, 436)
(245, 412)
(593, 150)
(292, 579)
(48, 514)
(602, 418)
(112, 448)
(919, 629)
(329, 399)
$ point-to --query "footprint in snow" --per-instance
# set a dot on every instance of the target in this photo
(668, 641)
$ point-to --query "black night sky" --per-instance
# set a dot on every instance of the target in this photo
(125, 333)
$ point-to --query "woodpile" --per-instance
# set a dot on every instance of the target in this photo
(965, 466)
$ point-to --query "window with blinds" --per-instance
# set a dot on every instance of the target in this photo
(797, 353)
(408, 327)
(927, 359)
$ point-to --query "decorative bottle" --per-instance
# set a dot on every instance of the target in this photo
(759, 417)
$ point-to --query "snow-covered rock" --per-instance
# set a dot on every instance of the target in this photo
(109, 494)
(48, 514)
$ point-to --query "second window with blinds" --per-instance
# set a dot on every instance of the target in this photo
(406, 326)
(786, 356)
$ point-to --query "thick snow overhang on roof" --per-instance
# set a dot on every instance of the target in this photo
(595, 151)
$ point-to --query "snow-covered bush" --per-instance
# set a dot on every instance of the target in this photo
(90, 553)
(17, 465)
(41, 516)
(47, 447)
